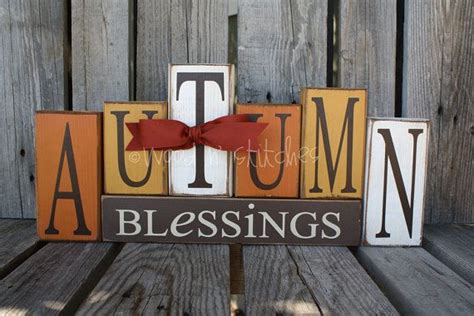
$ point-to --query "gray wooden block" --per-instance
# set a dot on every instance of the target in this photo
(101, 52)
(18, 240)
(55, 279)
(416, 282)
(438, 85)
(367, 51)
(281, 48)
(273, 285)
(32, 37)
(177, 32)
(452, 245)
(171, 279)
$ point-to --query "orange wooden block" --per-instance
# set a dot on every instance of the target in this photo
(274, 170)
(69, 169)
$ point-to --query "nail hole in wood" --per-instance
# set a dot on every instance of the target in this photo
(22, 152)
(269, 96)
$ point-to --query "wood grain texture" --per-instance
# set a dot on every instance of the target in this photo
(55, 279)
(170, 279)
(438, 85)
(338, 283)
(274, 170)
(417, 283)
(18, 240)
(273, 285)
(281, 48)
(177, 32)
(101, 42)
(32, 43)
(367, 51)
(452, 245)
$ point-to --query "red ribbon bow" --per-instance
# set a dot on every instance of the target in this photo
(229, 133)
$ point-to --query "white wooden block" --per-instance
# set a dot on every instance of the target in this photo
(395, 181)
(198, 94)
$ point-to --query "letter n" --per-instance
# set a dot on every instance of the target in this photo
(391, 156)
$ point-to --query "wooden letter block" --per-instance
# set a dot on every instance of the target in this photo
(395, 181)
(198, 94)
(132, 172)
(274, 170)
(69, 175)
(333, 143)
(228, 220)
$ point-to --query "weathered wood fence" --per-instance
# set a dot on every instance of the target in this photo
(415, 58)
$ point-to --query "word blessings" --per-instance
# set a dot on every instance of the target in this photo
(224, 220)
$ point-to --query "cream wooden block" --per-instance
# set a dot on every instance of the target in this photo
(395, 181)
(198, 94)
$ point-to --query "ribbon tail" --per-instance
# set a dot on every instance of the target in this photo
(135, 143)
(235, 136)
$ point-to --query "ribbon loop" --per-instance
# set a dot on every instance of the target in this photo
(229, 133)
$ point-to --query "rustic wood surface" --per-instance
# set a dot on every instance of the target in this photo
(273, 284)
(176, 32)
(417, 283)
(18, 241)
(438, 85)
(32, 54)
(338, 283)
(452, 245)
(367, 51)
(170, 279)
(55, 279)
(101, 52)
(281, 48)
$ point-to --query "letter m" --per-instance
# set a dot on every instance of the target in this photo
(347, 129)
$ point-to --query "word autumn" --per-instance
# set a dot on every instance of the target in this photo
(198, 121)
(162, 219)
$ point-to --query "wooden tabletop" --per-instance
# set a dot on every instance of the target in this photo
(108, 278)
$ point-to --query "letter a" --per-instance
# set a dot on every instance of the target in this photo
(74, 194)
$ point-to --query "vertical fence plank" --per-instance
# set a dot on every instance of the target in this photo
(32, 36)
(100, 52)
(281, 48)
(187, 31)
(438, 85)
(367, 47)
(177, 32)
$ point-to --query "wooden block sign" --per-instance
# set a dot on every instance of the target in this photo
(132, 172)
(333, 143)
(69, 174)
(274, 170)
(226, 220)
(198, 94)
(395, 181)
